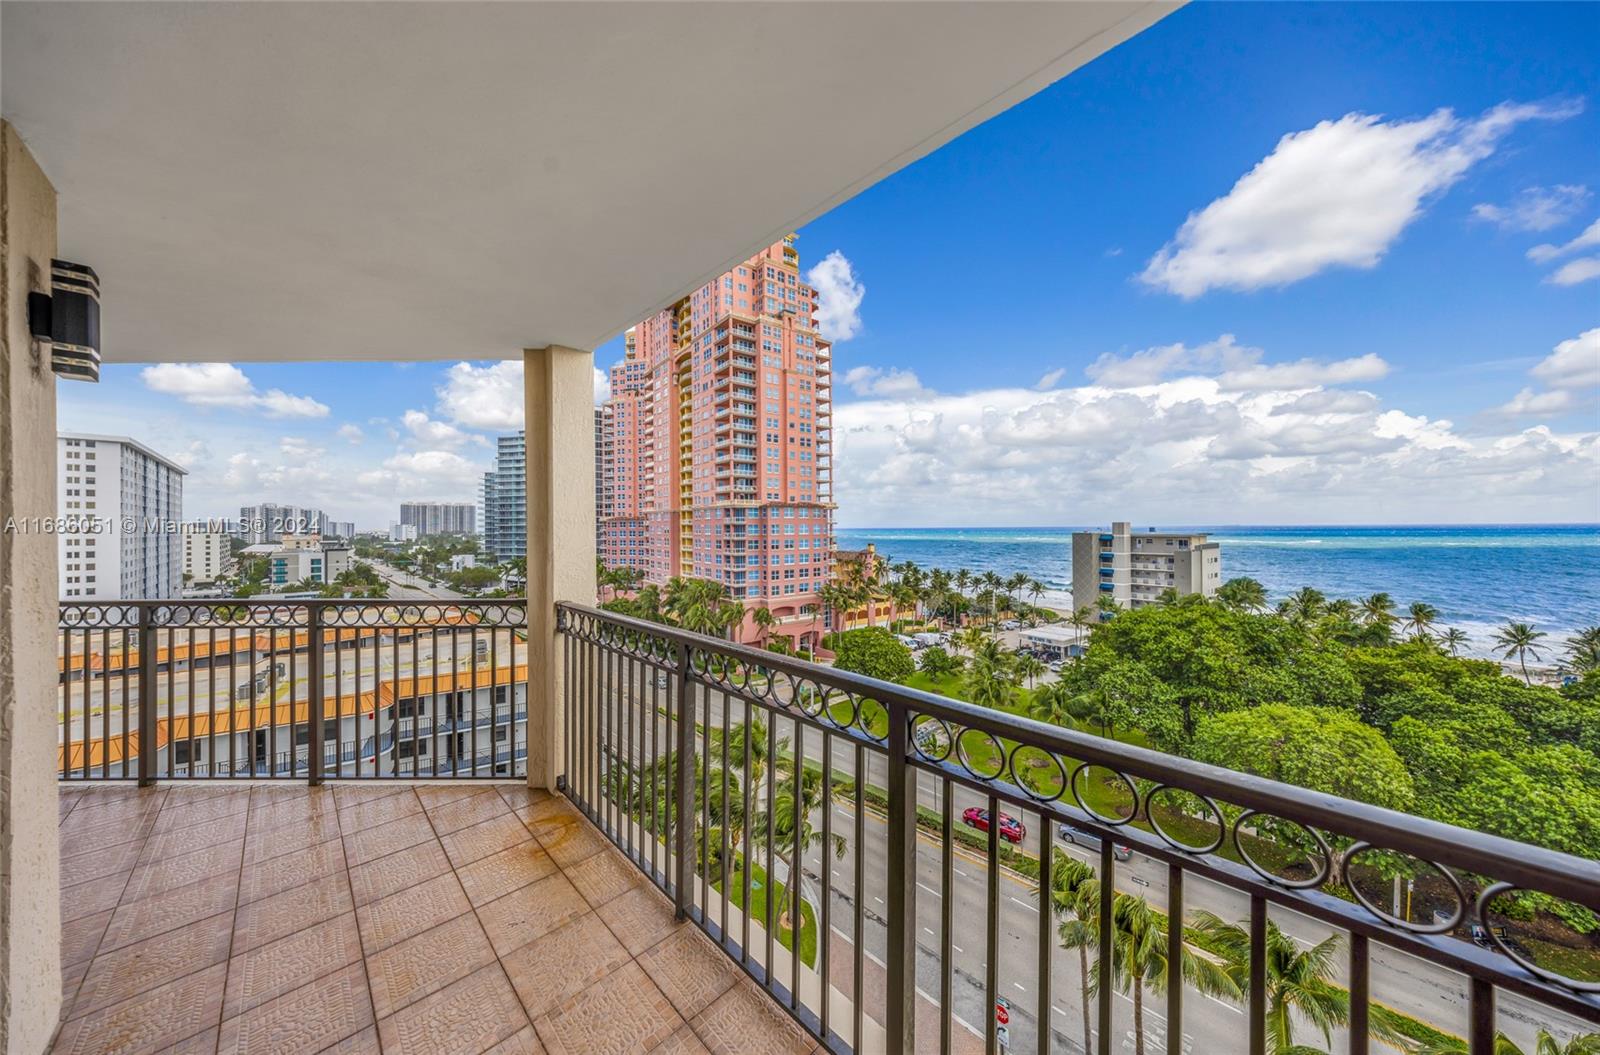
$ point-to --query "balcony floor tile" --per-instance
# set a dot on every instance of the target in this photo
(352, 919)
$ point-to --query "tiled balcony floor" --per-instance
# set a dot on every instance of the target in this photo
(428, 919)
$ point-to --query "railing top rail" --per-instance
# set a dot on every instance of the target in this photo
(1522, 864)
(297, 602)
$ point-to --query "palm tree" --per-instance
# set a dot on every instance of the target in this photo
(1139, 958)
(786, 814)
(1297, 979)
(991, 676)
(1305, 605)
(963, 580)
(1519, 640)
(1073, 893)
(1544, 1043)
(1052, 704)
(765, 621)
(1421, 619)
(1080, 620)
(1453, 639)
(1243, 594)
(1035, 590)
(1106, 606)
(1583, 650)
(1028, 667)
(1378, 610)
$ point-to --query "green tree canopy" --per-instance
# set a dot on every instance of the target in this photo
(873, 651)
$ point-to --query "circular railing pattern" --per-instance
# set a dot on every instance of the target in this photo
(1287, 852)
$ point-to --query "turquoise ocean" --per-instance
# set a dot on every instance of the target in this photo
(1478, 576)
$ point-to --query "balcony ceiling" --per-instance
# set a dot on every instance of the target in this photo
(282, 181)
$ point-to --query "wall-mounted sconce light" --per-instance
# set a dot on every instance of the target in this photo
(68, 317)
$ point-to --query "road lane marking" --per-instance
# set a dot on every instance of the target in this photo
(928, 888)
(957, 948)
(1019, 985)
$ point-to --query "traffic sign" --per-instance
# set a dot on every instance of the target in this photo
(1002, 1036)
(1002, 1016)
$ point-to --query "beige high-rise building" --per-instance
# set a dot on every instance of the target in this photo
(1134, 568)
(206, 552)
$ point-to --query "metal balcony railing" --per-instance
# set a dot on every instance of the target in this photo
(305, 689)
(814, 824)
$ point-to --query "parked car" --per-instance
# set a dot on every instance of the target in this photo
(1090, 841)
(1011, 829)
(1055, 666)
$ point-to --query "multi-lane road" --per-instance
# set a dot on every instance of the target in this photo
(1401, 981)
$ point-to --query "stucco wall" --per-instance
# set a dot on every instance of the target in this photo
(30, 918)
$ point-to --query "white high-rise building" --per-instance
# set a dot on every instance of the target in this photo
(122, 510)
(440, 518)
(206, 552)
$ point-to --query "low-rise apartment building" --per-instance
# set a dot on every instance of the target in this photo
(207, 552)
(1134, 568)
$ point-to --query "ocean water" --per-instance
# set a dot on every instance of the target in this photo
(1479, 576)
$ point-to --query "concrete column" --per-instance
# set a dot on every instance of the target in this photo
(559, 412)
(30, 913)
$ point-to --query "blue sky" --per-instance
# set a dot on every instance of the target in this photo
(1263, 263)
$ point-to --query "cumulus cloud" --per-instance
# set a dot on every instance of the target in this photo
(1528, 403)
(1091, 453)
(483, 397)
(225, 385)
(427, 432)
(1535, 208)
(1335, 195)
(1588, 238)
(1304, 373)
(839, 296)
(351, 433)
(602, 386)
(874, 381)
(1574, 364)
(1574, 271)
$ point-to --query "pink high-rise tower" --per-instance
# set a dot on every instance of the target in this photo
(720, 455)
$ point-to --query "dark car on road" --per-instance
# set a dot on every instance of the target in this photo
(1011, 829)
(1090, 841)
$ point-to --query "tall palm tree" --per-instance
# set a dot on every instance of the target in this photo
(1035, 590)
(1519, 640)
(1452, 639)
(792, 808)
(1106, 605)
(963, 579)
(1073, 893)
(1298, 980)
(1029, 667)
(991, 676)
(765, 621)
(1421, 618)
(1139, 958)
(1081, 619)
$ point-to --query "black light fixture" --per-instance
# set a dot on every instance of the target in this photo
(68, 317)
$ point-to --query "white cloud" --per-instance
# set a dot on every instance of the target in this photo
(225, 385)
(351, 433)
(1236, 367)
(1050, 379)
(1149, 365)
(1574, 271)
(1336, 195)
(1575, 362)
(890, 383)
(427, 432)
(1091, 453)
(602, 386)
(1304, 373)
(1528, 403)
(1535, 208)
(483, 397)
(1543, 254)
(839, 296)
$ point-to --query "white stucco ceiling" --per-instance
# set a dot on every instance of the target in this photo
(276, 181)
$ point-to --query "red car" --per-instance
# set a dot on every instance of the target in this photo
(1011, 829)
